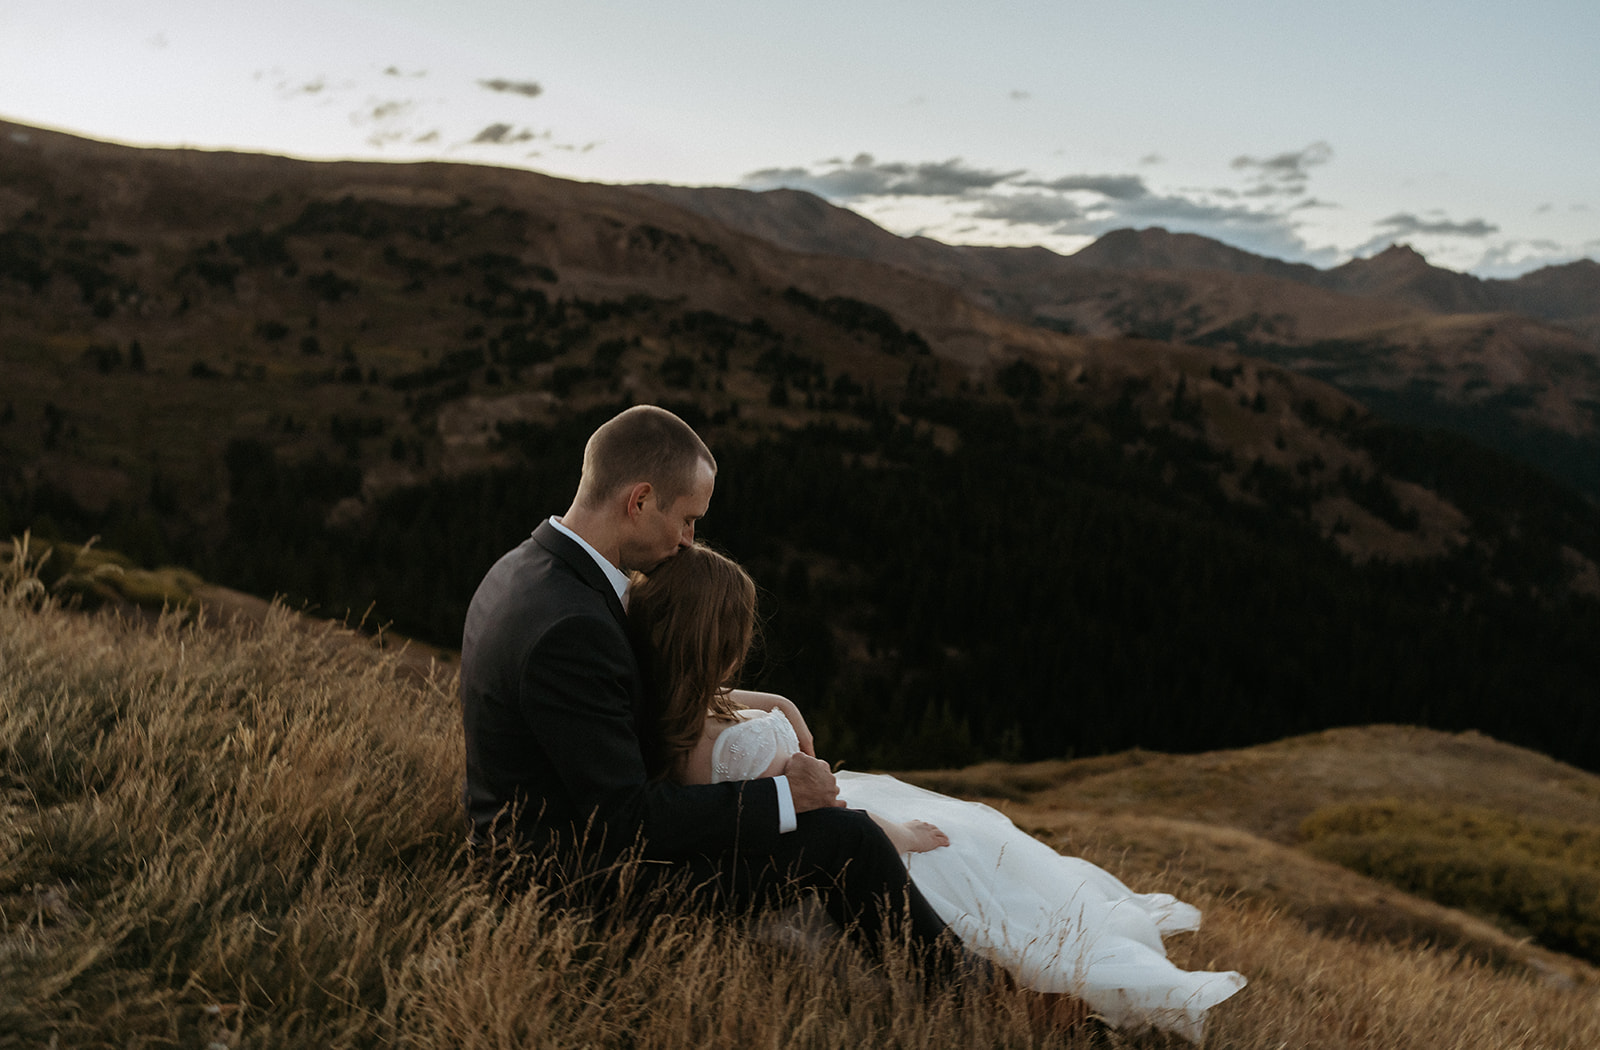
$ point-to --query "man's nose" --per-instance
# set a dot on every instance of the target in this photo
(686, 538)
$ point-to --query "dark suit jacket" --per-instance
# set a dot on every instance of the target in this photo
(551, 699)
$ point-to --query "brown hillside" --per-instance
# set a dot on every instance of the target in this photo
(281, 300)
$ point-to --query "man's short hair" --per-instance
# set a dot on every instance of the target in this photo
(643, 443)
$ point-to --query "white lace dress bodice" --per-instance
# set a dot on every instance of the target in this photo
(745, 750)
(1056, 923)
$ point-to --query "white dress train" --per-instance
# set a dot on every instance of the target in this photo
(1057, 924)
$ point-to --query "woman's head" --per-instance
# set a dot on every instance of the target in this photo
(694, 617)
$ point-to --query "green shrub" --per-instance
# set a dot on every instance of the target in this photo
(1540, 876)
(95, 576)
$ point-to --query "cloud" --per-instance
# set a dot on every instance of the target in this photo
(502, 135)
(863, 176)
(1021, 96)
(1401, 225)
(387, 120)
(530, 88)
(1152, 158)
(1404, 224)
(1077, 205)
(1117, 187)
(295, 86)
(1030, 209)
(383, 111)
(1516, 258)
(1283, 173)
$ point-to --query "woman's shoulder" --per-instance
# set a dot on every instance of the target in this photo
(746, 748)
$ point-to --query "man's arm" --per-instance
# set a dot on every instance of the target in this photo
(576, 699)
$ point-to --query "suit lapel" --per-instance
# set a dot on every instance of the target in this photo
(579, 561)
(561, 546)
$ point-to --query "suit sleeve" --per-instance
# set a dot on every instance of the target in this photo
(576, 699)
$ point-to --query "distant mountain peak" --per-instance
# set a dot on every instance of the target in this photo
(1400, 255)
(1157, 248)
(1403, 273)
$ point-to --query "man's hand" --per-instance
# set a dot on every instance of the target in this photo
(811, 783)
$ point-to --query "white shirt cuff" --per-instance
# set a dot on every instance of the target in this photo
(786, 819)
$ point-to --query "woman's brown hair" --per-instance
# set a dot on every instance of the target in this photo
(694, 618)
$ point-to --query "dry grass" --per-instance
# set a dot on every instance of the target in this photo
(248, 836)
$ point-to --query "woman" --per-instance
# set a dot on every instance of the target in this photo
(1057, 924)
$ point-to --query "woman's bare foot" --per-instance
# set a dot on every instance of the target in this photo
(915, 836)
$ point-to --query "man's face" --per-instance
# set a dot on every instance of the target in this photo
(661, 531)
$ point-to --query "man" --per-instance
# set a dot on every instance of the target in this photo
(554, 708)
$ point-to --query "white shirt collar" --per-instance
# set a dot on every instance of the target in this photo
(617, 578)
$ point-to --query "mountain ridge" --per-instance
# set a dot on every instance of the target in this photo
(1512, 363)
(315, 378)
(804, 221)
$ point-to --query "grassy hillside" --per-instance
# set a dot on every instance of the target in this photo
(248, 836)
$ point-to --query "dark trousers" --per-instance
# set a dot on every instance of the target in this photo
(847, 860)
(840, 854)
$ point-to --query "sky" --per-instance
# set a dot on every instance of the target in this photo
(1309, 131)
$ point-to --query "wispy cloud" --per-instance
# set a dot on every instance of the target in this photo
(1404, 224)
(1117, 187)
(1031, 209)
(1515, 258)
(864, 176)
(390, 110)
(433, 120)
(503, 135)
(529, 88)
(1080, 205)
(1283, 173)
(1442, 232)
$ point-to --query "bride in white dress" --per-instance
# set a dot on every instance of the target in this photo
(1056, 924)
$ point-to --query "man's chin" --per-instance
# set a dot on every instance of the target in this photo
(653, 566)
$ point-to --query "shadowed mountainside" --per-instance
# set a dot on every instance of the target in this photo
(358, 384)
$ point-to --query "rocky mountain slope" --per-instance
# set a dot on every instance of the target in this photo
(1513, 363)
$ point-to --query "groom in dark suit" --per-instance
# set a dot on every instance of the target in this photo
(556, 711)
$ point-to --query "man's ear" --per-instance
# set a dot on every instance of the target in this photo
(638, 494)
